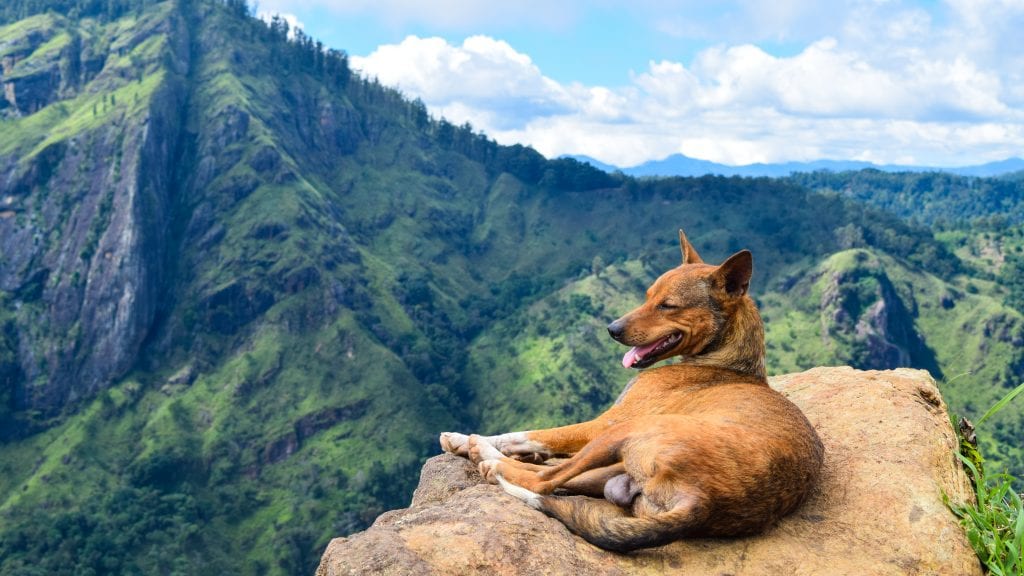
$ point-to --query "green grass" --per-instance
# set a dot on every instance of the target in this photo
(43, 56)
(995, 522)
(11, 36)
(90, 111)
(109, 98)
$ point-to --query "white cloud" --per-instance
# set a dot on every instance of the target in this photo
(889, 85)
(293, 21)
(484, 74)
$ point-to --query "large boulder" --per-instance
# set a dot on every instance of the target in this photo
(890, 457)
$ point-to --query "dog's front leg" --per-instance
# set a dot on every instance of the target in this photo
(516, 444)
(566, 440)
(484, 454)
(534, 445)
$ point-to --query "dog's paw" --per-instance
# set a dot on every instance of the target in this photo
(455, 443)
(533, 499)
(480, 449)
(490, 470)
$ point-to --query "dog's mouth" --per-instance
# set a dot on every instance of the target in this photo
(647, 354)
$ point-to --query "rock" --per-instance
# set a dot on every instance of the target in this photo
(866, 316)
(878, 510)
(86, 210)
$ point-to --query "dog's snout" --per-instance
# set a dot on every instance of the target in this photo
(616, 329)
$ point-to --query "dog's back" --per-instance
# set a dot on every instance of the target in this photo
(750, 450)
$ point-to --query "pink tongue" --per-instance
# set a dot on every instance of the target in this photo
(637, 353)
(629, 359)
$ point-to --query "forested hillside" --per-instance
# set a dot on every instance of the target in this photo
(243, 288)
(932, 198)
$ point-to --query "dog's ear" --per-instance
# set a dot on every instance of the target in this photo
(733, 275)
(690, 255)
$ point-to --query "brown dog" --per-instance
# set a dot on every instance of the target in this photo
(699, 448)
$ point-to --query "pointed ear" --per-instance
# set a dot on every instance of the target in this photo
(690, 255)
(733, 275)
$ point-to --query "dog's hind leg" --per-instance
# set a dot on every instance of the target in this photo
(604, 451)
(589, 483)
(592, 482)
(612, 527)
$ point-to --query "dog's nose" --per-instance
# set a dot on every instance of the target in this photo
(615, 329)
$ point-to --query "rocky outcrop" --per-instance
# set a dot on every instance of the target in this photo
(862, 310)
(85, 249)
(878, 509)
(41, 62)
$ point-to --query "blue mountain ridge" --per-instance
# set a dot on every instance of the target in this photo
(680, 165)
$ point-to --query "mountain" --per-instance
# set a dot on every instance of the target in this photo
(990, 169)
(680, 165)
(242, 289)
(593, 162)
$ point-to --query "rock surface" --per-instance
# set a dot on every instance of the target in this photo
(83, 257)
(878, 510)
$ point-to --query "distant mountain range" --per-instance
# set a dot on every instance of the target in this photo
(680, 165)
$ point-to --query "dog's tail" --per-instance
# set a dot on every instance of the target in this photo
(612, 527)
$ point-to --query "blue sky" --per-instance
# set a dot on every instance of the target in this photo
(736, 82)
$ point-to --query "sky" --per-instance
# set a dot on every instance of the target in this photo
(925, 83)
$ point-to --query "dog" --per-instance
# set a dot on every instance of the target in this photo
(702, 447)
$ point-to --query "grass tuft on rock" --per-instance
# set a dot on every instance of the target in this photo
(995, 523)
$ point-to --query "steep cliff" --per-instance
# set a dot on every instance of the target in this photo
(87, 186)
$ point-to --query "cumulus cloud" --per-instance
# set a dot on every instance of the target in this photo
(482, 73)
(889, 85)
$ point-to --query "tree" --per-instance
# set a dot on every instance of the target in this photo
(1012, 277)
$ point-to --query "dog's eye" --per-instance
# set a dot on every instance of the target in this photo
(667, 306)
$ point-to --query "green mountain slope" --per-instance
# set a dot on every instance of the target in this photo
(242, 289)
(865, 308)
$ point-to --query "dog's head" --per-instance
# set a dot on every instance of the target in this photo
(686, 309)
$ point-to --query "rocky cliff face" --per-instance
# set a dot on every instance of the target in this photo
(861, 306)
(878, 510)
(85, 198)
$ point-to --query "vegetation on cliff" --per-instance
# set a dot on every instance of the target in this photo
(995, 521)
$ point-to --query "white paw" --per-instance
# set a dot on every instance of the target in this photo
(489, 470)
(517, 443)
(480, 449)
(531, 498)
(455, 443)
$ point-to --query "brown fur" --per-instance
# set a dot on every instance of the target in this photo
(702, 447)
